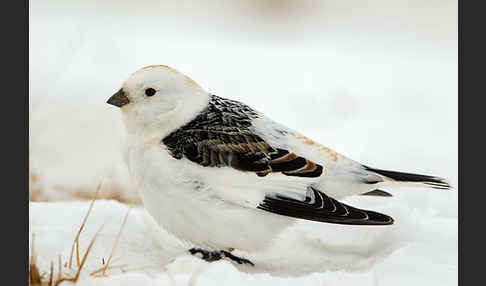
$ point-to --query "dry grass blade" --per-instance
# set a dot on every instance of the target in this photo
(51, 274)
(60, 268)
(76, 239)
(34, 275)
(85, 256)
(123, 224)
(32, 249)
(87, 252)
(103, 268)
(116, 241)
(77, 252)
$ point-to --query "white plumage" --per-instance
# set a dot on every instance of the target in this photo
(212, 194)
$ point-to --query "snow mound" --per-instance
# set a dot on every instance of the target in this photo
(420, 248)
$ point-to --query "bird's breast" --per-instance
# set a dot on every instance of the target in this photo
(148, 159)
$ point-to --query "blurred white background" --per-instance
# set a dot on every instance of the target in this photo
(374, 80)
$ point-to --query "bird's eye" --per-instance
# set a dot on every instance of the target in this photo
(150, 91)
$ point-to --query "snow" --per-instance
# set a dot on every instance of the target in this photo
(376, 81)
(420, 248)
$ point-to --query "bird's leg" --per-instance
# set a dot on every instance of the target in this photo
(217, 255)
(239, 260)
(206, 254)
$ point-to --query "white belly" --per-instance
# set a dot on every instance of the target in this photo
(185, 204)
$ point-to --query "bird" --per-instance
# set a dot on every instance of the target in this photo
(220, 175)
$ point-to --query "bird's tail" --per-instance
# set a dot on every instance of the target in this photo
(408, 179)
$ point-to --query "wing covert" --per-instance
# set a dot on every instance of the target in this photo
(221, 136)
(241, 150)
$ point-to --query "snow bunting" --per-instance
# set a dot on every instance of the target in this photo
(222, 176)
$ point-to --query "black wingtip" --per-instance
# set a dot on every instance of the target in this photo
(379, 218)
(319, 207)
(431, 181)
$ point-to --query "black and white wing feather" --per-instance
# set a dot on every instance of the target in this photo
(222, 135)
(317, 206)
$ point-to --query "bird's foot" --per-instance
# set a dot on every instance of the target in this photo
(239, 260)
(206, 254)
(217, 255)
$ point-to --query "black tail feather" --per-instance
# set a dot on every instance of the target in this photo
(433, 182)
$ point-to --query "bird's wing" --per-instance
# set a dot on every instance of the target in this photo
(344, 176)
(253, 161)
(317, 206)
(247, 152)
(241, 150)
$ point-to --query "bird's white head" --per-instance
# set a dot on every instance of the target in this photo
(158, 98)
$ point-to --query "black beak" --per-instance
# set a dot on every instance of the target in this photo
(118, 99)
